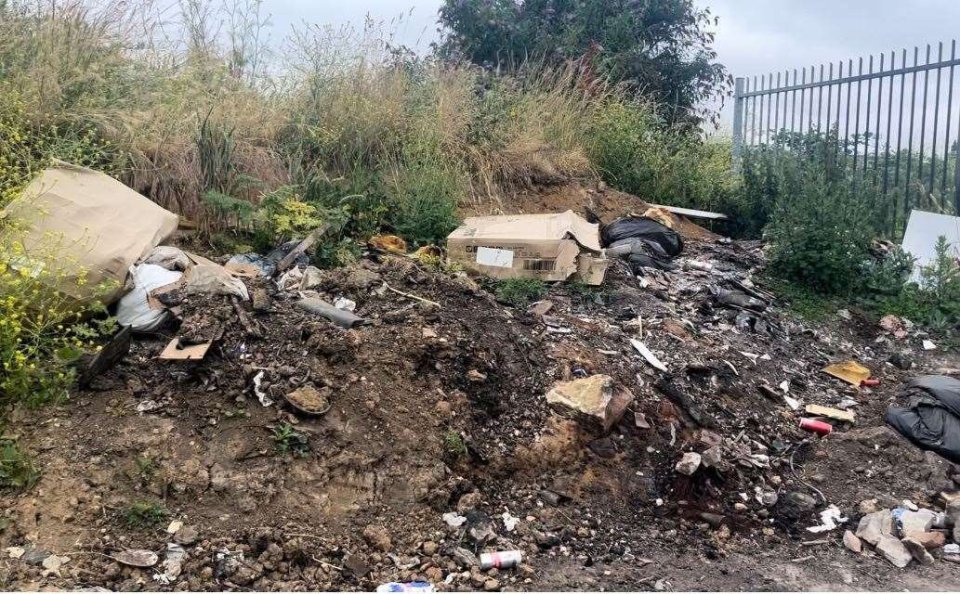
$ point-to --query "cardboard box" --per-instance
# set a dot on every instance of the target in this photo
(550, 247)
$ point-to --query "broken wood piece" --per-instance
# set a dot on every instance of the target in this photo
(409, 296)
(648, 355)
(693, 213)
(108, 356)
(831, 413)
(251, 326)
(195, 352)
(301, 248)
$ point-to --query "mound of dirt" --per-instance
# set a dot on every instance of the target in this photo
(439, 445)
(583, 198)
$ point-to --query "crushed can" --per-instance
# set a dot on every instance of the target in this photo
(413, 587)
(815, 426)
(501, 559)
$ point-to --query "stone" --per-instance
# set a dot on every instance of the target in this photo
(873, 527)
(740, 507)
(953, 517)
(356, 564)
(713, 457)
(868, 506)
(594, 402)
(137, 558)
(378, 537)
(464, 558)
(930, 540)
(491, 585)
(894, 551)
(546, 540)
(689, 463)
(851, 541)
(715, 520)
(429, 548)
(186, 536)
(33, 556)
(54, 562)
(918, 551)
(469, 501)
(434, 575)
(797, 504)
(540, 308)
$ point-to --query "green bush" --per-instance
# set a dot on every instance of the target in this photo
(818, 233)
(933, 302)
(520, 292)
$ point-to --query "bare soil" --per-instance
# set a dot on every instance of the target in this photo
(441, 409)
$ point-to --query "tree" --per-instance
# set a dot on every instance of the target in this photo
(658, 48)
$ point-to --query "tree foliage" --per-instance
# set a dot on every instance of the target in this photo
(660, 48)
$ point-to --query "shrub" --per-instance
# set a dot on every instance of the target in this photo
(143, 514)
(41, 330)
(818, 228)
(520, 292)
(933, 302)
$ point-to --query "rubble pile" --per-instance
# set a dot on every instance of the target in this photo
(392, 422)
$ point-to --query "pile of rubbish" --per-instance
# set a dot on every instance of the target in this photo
(909, 533)
(391, 422)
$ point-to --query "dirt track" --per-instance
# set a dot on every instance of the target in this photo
(364, 505)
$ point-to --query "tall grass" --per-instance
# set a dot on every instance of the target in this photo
(187, 105)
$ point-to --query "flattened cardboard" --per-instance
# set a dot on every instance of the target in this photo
(849, 371)
(102, 226)
(923, 231)
(544, 246)
(194, 352)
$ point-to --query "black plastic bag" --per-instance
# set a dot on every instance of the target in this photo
(649, 230)
(931, 419)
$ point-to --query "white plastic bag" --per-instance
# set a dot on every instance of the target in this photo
(134, 308)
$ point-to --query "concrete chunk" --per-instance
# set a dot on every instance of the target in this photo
(894, 551)
(851, 541)
(874, 526)
(593, 401)
(689, 463)
(918, 551)
(930, 540)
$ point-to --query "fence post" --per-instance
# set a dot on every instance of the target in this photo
(738, 105)
(956, 182)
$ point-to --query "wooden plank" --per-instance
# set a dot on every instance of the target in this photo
(831, 413)
(302, 247)
(693, 213)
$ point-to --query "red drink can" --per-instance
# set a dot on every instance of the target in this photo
(815, 426)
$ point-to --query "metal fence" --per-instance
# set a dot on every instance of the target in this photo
(893, 116)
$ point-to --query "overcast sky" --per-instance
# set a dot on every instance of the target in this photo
(753, 36)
